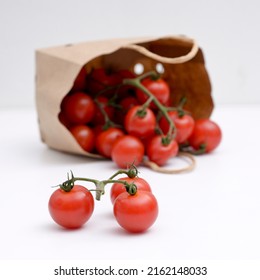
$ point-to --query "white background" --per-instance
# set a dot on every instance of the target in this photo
(227, 31)
(212, 213)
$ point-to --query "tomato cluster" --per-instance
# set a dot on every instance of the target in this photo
(127, 118)
(134, 205)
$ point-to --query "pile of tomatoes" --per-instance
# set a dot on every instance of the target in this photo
(134, 205)
(127, 118)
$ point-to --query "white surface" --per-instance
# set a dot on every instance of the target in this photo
(210, 213)
(227, 31)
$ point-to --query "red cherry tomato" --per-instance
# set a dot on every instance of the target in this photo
(80, 81)
(71, 209)
(118, 188)
(184, 125)
(127, 103)
(99, 79)
(99, 116)
(78, 108)
(125, 89)
(140, 126)
(84, 136)
(127, 150)
(125, 74)
(159, 88)
(106, 139)
(207, 134)
(136, 213)
(159, 152)
(62, 118)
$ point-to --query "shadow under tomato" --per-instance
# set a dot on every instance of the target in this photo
(52, 227)
(119, 231)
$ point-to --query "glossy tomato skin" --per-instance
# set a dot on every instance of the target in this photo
(140, 126)
(118, 188)
(136, 213)
(127, 150)
(85, 136)
(160, 153)
(78, 108)
(205, 132)
(159, 88)
(106, 139)
(184, 125)
(71, 209)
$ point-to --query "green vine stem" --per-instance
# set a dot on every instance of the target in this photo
(108, 122)
(132, 172)
(200, 151)
(131, 188)
(179, 109)
(136, 82)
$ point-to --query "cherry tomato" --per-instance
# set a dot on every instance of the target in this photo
(127, 103)
(207, 134)
(159, 152)
(118, 188)
(80, 81)
(127, 150)
(85, 136)
(106, 139)
(62, 118)
(99, 79)
(184, 125)
(136, 213)
(99, 116)
(71, 209)
(126, 74)
(125, 89)
(159, 88)
(78, 108)
(140, 126)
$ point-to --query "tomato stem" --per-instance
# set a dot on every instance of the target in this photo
(132, 172)
(131, 188)
(200, 151)
(136, 82)
(108, 122)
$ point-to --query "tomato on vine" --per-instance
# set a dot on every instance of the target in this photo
(160, 149)
(184, 125)
(158, 87)
(71, 209)
(136, 213)
(118, 188)
(140, 122)
(103, 109)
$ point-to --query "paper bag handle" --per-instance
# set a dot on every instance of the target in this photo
(171, 60)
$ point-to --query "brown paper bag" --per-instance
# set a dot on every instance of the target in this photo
(57, 68)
